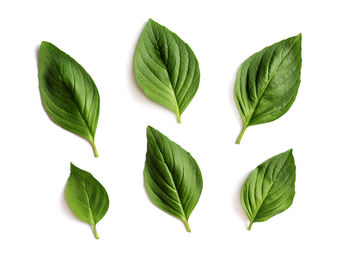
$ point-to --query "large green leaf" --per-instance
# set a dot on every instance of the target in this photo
(270, 188)
(166, 68)
(86, 197)
(68, 93)
(173, 179)
(267, 83)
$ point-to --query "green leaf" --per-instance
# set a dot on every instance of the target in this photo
(86, 197)
(173, 179)
(270, 188)
(68, 93)
(166, 68)
(267, 83)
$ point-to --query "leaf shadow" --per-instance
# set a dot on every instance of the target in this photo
(69, 211)
(37, 52)
(136, 89)
(145, 189)
(237, 200)
(232, 100)
(65, 206)
(37, 55)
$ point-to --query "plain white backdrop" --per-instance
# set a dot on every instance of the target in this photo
(35, 154)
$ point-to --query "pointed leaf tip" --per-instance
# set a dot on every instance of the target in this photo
(72, 166)
(150, 129)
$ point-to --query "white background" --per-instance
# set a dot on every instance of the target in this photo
(35, 154)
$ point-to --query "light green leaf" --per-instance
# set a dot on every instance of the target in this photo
(86, 197)
(166, 68)
(173, 179)
(270, 188)
(267, 83)
(68, 93)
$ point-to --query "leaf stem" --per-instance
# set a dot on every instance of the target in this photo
(178, 117)
(187, 226)
(250, 226)
(94, 147)
(95, 232)
(241, 134)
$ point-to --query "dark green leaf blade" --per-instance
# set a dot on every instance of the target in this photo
(270, 188)
(166, 68)
(267, 83)
(86, 197)
(68, 93)
(173, 179)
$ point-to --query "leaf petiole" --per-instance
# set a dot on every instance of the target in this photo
(187, 226)
(95, 232)
(178, 117)
(241, 134)
(94, 148)
(250, 225)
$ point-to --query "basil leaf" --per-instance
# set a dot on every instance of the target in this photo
(86, 197)
(166, 68)
(267, 83)
(173, 179)
(270, 188)
(68, 93)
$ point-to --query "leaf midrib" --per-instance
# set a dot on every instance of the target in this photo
(72, 95)
(177, 109)
(267, 194)
(268, 83)
(177, 192)
(173, 183)
(90, 205)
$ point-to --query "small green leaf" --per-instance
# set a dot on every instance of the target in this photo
(86, 197)
(270, 188)
(173, 179)
(267, 83)
(68, 93)
(166, 68)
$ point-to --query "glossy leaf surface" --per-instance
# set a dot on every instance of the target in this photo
(166, 68)
(270, 188)
(267, 83)
(173, 179)
(68, 93)
(86, 197)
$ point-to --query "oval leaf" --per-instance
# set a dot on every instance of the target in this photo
(166, 68)
(86, 197)
(267, 83)
(173, 179)
(68, 93)
(270, 188)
